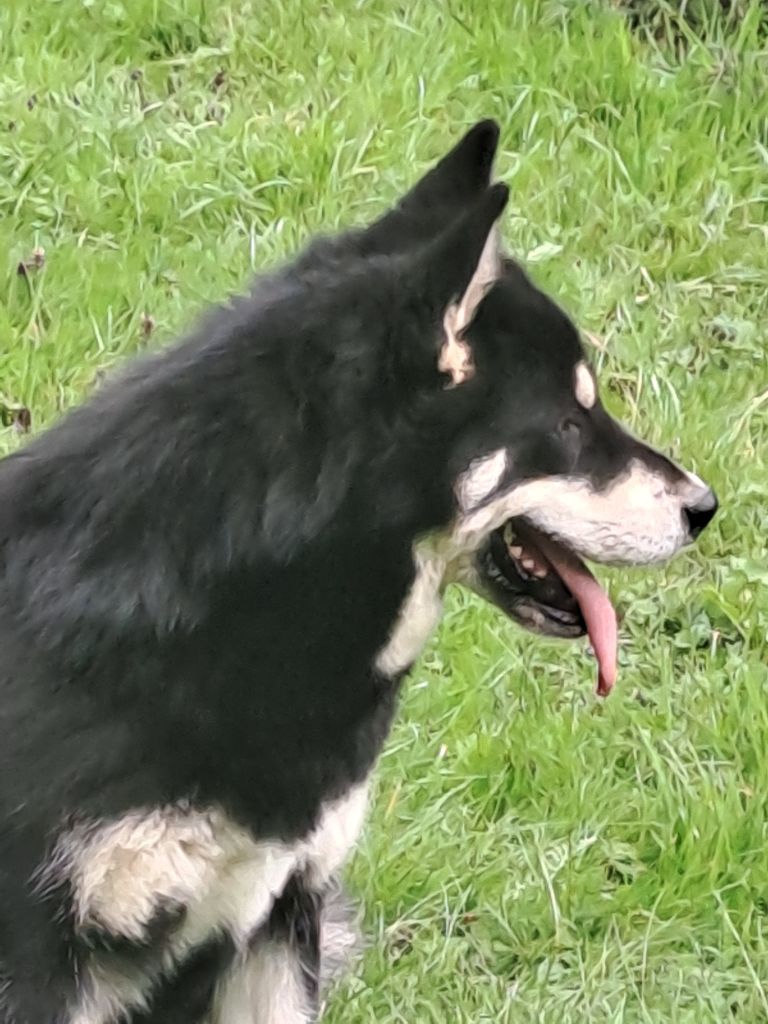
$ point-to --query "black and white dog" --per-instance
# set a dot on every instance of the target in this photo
(216, 573)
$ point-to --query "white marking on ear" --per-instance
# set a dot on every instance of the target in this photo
(419, 614)
(584, 386)
(455, 354)
(481, 479)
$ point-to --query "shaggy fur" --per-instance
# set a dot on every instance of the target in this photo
(205, 613)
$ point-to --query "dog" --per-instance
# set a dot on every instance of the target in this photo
(217, 572)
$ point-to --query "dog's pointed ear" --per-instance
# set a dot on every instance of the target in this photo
(447, 189)
(461, 266)
(462, 174)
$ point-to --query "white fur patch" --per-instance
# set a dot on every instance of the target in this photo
(637, 520)
(264, 987)
(584, 386)
(266, 979)
(336, 835)
(419, 614)
(106, 992)
(481, 479)
(122, 872)
(456, 354)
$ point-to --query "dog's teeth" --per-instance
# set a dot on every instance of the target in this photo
(509, 534)
(516, 552)
(540, 571)
(528, 564)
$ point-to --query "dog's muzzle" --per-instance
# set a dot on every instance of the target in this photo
(698, 515)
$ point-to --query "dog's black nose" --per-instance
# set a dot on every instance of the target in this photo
(699, 515)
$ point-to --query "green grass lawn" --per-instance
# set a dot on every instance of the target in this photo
(533, 855)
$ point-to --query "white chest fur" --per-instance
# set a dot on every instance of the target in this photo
(419, 614)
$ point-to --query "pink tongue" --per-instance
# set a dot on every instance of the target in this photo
(599, 614)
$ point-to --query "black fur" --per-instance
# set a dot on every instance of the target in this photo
(200, 565)
(186, 997)
(295, 921)
(183, 561)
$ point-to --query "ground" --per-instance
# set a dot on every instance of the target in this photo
(534, 855)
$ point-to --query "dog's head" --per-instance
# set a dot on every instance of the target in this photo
(543, 476)
(559, 479)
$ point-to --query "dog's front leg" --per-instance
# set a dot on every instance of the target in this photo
(276, 979)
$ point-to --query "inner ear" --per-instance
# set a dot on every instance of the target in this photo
(455, 353)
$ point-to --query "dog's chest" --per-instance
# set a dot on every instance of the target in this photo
(419, 614)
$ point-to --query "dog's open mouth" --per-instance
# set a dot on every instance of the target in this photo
(548, 589)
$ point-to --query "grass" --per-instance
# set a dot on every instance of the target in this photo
(533, 855)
